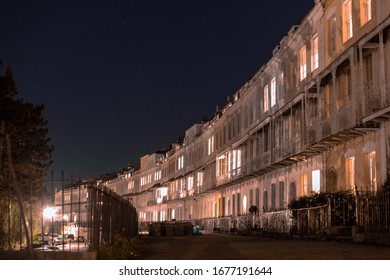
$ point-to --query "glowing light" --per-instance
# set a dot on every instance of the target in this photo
(49, 212)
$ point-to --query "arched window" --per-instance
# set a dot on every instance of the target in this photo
(331, 181)
(238, 203)
(244, 204)
(281, 195)
(273, 196)
(265, 200)
(228, 207)
(293, 191)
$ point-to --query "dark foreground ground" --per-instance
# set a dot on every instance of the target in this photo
(215, 246)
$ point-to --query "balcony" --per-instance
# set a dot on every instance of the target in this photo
(287, 149)
(375, 106)
(152, 202)
(222, 179)
(332, 129)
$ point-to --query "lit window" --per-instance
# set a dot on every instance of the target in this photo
(347, 20)
(315, 53)
(350, 172)
(157, 175)
(365, 10)
(173, 214)
(315, 175)
(302, 63)
(372, 171)
(210, 145)
(266, 99)
(234, 162)
(199, 179)
(180, 162)
(304, 184)
(221, 163)
(190, 183)
(273, 92)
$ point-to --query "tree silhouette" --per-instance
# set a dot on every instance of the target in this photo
(31, 150)
(25, 155)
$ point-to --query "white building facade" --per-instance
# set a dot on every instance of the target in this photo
(315, 118)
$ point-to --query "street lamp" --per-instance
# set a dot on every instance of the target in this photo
(48, 213)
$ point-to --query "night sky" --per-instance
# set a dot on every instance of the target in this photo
(121, 79)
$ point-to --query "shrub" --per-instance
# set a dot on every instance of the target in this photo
(121, 249)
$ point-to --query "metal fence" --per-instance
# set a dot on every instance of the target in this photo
(109, 214)
(342, 210)
(277, 221)
(369, 210)
(309, 221)
(373, 212)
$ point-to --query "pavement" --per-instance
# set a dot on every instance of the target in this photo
(218, 246)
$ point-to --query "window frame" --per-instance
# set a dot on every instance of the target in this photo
(265, 99)
(347, 20)
(273, 92)
(302, 63)
(332, 34)
(315, 55)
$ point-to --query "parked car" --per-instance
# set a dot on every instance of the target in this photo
(81, 238)
(57, 240)
(70, 237)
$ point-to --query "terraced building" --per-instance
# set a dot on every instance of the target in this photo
(315, 118)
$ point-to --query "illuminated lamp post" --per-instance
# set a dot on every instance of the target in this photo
(48, 213)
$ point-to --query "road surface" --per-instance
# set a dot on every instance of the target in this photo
(216, 246)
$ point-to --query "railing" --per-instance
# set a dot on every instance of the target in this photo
(277, 153)
(373, 211)
(208, 224)
(277, 221)
(309, 221)
(286, 149)
(109, 214)
(323, 128)
(261, 161)
(240, 223)
(152, 202)
(223, 179)
(344, 119)
(225, 224)
(342, 210)
(208, 184)
(372, 99)
(173, 196)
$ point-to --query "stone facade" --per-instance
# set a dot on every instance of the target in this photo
(315, 118)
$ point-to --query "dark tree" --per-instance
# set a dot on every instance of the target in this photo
(27, 131)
